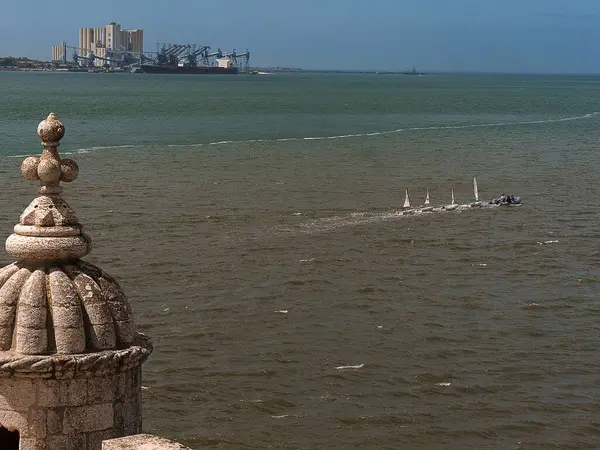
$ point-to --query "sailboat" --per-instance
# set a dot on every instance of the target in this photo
(476, 193)
(452, 206)
(406, 201)
(427, 208)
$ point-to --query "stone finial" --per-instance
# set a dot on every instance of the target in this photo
(49, 168)
(70, 355)
(49, 229)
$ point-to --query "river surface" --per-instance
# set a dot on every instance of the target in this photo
(253, 222)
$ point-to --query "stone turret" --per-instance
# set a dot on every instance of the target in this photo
(70, 356)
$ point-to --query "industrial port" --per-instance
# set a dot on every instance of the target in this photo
(112, 49)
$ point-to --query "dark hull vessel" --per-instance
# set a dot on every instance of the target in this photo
(198, 70)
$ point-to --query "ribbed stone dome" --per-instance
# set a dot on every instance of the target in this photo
(64, 308)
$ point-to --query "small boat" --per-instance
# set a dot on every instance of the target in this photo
(452, 206)
(508, 200)
(406, 201)
(477, 203)
(426, 207)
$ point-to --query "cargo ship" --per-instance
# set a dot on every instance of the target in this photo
(224, 66)
(190, 70)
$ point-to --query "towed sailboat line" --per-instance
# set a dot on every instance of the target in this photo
(510, 200)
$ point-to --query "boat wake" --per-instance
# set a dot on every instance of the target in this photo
(329, 224)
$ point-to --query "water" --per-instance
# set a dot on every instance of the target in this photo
(289, 304)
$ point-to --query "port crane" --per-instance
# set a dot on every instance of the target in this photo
(165, 55)
(91, 57)
(191, 59)
(78, 57)
(245, 57)
(168, 54)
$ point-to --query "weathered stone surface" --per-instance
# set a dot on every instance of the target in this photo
(31, 341)
(54, 420)
(49, 211)
(73, 392)
(48, 393)
(36, 420)
(95, 438)
(29, 168)
(31, 335)
(44, 248)
(69, 340)
(32, 444)
(142, 442)
(17, 395)
(51, 130)
(68, 442)
(9, 294)
(62, 289)
(87, 310)
(15, 420)
(82, 365)
(102, 389)
(88, 418)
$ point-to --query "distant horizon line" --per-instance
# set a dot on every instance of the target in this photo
(425, 72)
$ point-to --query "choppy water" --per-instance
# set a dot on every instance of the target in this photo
(290, 306)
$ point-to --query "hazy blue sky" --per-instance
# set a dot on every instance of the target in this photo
(449, 35)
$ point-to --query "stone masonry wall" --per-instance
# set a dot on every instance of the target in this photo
(71, 414)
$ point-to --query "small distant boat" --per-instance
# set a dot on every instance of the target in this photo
(406, 201)
(427, 208)
(476, 194)
(508, 200)
(452, 206)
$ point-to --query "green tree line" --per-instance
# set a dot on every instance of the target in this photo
(8, 61)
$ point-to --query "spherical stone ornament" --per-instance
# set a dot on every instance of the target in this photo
(69, 170)
(49, 171)
(29, 168)
(51, 129)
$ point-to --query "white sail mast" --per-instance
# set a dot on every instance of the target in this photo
(406, 201)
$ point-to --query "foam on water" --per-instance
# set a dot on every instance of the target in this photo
(328, 224)
(346, 136)
(357, 366)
